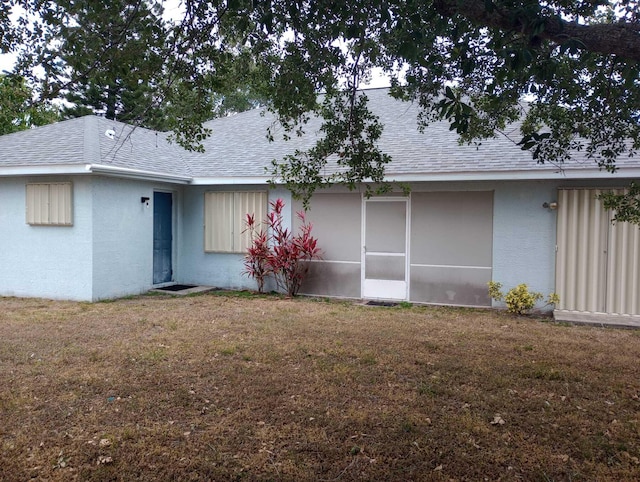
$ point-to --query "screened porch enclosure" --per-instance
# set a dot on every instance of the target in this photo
(428, 247)
(451, 247)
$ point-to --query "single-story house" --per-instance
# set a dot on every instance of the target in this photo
(95, 209)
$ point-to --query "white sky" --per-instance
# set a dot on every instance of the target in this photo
(6, 62)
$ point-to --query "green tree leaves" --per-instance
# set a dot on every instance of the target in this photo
(113, 52)
(626, 205)
(17, 112)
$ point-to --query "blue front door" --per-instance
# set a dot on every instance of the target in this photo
(162, 237)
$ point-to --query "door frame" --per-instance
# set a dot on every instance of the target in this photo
(173, 236)
(386, 289)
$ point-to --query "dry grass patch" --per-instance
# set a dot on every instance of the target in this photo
(230, 387)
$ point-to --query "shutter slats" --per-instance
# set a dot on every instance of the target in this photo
(597, 265)
(225, 216)
(49, 204)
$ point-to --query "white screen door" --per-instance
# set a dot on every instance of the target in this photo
(384, 263)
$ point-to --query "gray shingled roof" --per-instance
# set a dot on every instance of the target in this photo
(60, 143)
(238, 147)
(83, 141)
(139, 148)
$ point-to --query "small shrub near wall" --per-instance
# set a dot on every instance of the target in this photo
(277, 252)
(519, 300)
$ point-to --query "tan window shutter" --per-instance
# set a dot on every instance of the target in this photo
(49, 204)
(225, 216)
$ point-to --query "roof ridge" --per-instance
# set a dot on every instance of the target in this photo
(136, 147)
(91, 143)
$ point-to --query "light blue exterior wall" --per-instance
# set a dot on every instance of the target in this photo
(222, 270)
(524, 232)
(108, 252)
(524, 235)
(45, 261)
(123, 236)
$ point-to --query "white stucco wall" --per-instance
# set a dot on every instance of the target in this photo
(213, 269)
(123, 236)
(108, 252)
(524, 235)
(45, 261)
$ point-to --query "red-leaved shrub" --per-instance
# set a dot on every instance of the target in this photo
(276, 251)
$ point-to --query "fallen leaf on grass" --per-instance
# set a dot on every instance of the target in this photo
(497, 420)
(62, 461)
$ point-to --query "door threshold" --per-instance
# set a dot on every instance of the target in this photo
(181, 290)
(381, 303)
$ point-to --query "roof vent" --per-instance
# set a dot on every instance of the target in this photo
(110, 133)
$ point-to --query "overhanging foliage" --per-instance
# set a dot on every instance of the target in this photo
(470, 62)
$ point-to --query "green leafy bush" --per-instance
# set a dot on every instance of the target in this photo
(519, 300)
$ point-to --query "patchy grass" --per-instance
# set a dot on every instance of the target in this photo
(242, 387)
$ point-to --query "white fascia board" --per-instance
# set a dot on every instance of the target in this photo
(229, 181)
(532, 175)
(521, 175)
(45, 169)
(137, 174)
(73, 169)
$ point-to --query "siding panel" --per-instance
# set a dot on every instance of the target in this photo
(597, 262)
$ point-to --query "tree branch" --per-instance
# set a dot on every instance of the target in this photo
(621, 39)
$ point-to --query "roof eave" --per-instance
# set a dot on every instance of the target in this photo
(76, 169)
(139, 174)
(520, 175)
(123, 172)
(230, 181)
(44, 170)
